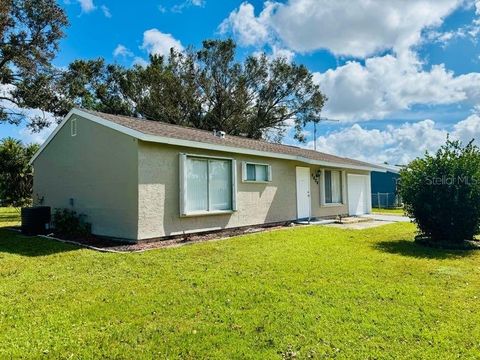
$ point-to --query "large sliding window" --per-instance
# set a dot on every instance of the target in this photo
(333, 187)
(208, 185)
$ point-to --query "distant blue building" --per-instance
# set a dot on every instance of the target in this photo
(384, 187)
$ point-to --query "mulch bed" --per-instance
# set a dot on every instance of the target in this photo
(465, 245)
(119, 245)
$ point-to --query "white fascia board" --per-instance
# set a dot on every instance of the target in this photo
(195, 144)
(51, 136)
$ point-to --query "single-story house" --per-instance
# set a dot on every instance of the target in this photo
(138, 179)
(385, 186)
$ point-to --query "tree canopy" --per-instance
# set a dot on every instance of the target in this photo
(206, 88)
(30, 31)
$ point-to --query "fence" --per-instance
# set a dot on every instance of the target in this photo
(386, 200)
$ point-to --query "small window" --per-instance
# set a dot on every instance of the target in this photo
(73, 127)
(257, 172)
(333, 187)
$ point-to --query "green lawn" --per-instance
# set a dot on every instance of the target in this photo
(9, 217)
(311, 292)
(396, 211)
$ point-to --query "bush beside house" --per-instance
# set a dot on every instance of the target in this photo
(442, 193)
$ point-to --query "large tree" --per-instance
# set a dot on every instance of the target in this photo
(30, 31)
(207, 89)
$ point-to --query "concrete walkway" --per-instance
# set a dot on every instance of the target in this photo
(389, 218)
(360, 225)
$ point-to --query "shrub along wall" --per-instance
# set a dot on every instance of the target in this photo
(442, 192)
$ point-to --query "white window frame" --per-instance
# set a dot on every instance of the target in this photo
(73, 127)
(342, 190)
(183, 186)
(244, 173)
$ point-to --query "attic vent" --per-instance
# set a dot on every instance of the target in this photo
(220, 134)
(73, 127)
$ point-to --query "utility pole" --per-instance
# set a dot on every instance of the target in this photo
(315, 129)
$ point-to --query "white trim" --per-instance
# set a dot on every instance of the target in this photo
(183, 184)
(309, 192)
(208, 157)
(184, 188)
(205, 213)
(234, 185)
(194, 144)
(322, 188)
(244, 173)
(256, 182)
(332, 205)
(73, 127)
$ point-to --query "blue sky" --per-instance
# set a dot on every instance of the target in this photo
(399, 75)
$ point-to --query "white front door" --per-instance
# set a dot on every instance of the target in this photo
(303, 192)
(357, 194)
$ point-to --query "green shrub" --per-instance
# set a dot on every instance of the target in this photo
(16, 174)
(442, 192)
(68, 223)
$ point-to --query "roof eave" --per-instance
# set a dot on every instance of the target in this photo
(194, 144)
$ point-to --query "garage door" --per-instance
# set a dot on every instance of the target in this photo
(358, 194)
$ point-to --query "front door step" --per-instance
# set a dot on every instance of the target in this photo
(352, 220)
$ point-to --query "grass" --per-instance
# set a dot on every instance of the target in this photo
(9, 217)
(395, 211)
(306, 292)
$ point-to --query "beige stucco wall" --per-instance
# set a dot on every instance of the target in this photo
(319, 210)
(159, 187)
(98, 169)
(130, 189)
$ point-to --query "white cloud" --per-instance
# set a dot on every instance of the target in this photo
(186, 4)
(140, 61)
(87, 5)
(391, 83)
(29, 137)
(353, 28)
(25, 134)
(395, 144)
(468, 129)
(123, 51)
(380, 85)
(246, 27)
(156, 42)
(465, 31)
(106, 11)
(276, 53)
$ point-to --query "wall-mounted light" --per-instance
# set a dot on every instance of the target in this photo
(316, 176)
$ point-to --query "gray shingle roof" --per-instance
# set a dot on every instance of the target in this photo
(157, 128)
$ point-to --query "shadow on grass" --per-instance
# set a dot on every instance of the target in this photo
(15, 243)
(413, 249)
